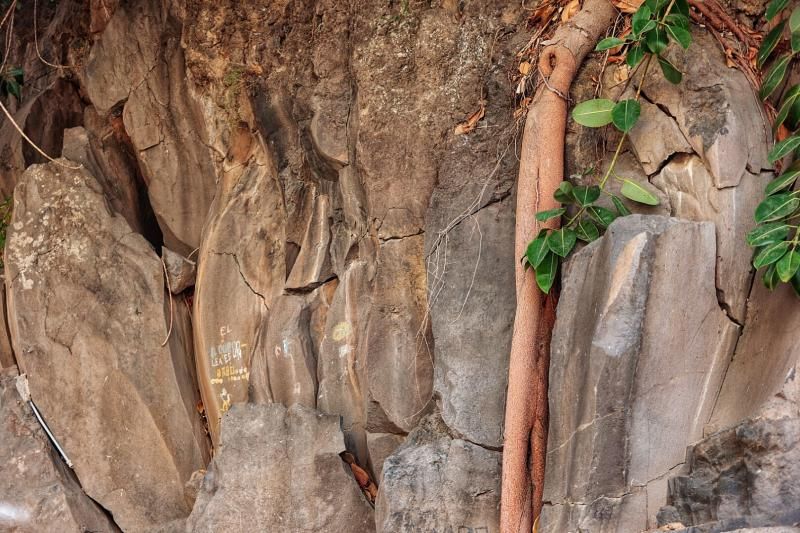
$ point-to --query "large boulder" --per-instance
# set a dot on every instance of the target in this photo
(37, 491)
(279, 469)
(626, 345)
(434, 482)
(87, 311)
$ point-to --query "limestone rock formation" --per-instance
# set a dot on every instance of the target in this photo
(618, 358)
(464, 478)
(136, 69)
(745, 476)
(279, 469)
(37, 490)
(87, 304)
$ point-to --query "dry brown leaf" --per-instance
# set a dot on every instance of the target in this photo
(524, 68)
(782, 133)
(627, 6)
(472, 121)
(570, 10)
(542, 14)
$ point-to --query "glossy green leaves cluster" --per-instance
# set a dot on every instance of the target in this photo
(653, 26)
(776, 237)
(590, 220)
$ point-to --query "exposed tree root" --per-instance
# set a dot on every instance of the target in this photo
(540, 172)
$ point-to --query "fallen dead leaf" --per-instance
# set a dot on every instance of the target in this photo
(472, 121)
(570, 10)
(627, 6)
(782, 133)
(542, 14)
(525, 68)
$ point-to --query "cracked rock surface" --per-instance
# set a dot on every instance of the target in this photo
(119, 402)
(618, 357)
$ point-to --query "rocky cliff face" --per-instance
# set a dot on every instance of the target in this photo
(337, 282)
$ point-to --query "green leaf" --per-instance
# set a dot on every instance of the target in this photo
(776, 207)
(601, 215)
(790, 96)
(794, 20)
(788, 265)
(672, 74)
(625, 114)
(648, 25)
(18, 75)
(656, 6)
(795, 41)
(767, 233)
(769, 43)
(679, 20)
(586, 195)
(682, 8)
(771, 253)
(561, 241)
(633, 190)
(774, 76)
(608, 43)
(13, 88)
(593, 113)
(622, 209)
(564, 193)
(586, 230)
(640, 19)
(541, 216)
(546, 272)
(783, 148)
(784, 181)
(774, 7)
(656, 39)
(681, 36)
(635, 55)
(537, 249)
(770, 277)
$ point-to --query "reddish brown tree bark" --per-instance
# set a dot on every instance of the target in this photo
(540, 172)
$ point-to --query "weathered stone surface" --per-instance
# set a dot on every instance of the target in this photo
(137, 66)
(655, 138)
(693, 195)
(619, 356)
(436, 483)
(102, 146)
(43, 119)
(715, 108)
(400, 361)
(472, 315)
(241, 269)
(745, 476)
(381, 446)
(86, 309)
(279, 469)
(341, 364)
(37, 491)
(181, 271)
(290, 372)
(763, 372)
